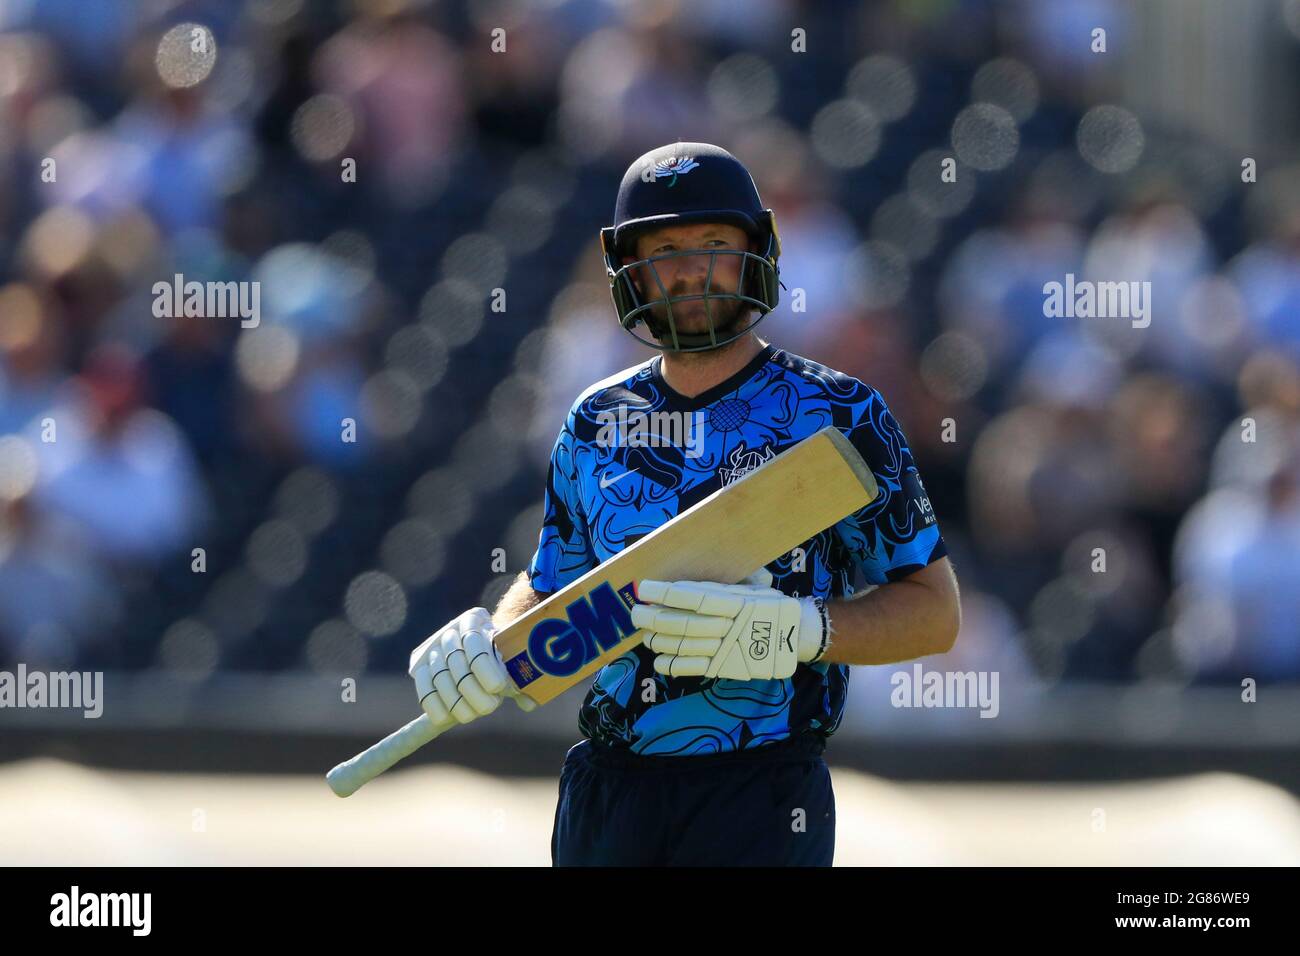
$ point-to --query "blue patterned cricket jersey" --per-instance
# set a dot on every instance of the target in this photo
(602, 497)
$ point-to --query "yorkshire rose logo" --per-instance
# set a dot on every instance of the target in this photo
(675, 166)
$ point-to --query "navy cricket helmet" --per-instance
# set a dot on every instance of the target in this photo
(689, 183)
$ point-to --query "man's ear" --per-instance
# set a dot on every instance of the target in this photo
(632, 276)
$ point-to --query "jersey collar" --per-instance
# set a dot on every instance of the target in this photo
(675, 399)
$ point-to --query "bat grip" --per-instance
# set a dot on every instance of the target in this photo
(351, 775)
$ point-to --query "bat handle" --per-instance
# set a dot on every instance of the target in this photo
(351, 775)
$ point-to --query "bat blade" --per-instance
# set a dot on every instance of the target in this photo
(749, 523)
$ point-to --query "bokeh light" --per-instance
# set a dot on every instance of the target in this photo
(985, 137)
(884, 84)
(375, 604)
(186, 55)
(1110, 139)
(845, 134)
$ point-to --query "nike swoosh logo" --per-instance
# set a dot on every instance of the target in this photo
(605, 484)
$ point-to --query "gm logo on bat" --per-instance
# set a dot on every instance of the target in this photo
(600, 620)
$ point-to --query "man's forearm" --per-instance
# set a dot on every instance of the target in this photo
(895, 622)
(519, 599)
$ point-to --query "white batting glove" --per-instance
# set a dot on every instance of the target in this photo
(458, 671)
(747, 631)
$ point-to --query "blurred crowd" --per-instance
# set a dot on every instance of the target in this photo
(417, 188)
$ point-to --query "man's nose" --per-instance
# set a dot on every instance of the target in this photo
(694, 269)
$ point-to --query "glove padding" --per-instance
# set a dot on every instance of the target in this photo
(747, 631)
(458, 671)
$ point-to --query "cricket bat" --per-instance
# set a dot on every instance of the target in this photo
(751, 522)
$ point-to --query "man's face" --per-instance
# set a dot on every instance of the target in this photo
(686, 275)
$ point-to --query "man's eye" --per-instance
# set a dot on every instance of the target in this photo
(671, 248)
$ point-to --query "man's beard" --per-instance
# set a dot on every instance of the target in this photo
(729, 317)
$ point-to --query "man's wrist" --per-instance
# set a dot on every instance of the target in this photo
(814, 630)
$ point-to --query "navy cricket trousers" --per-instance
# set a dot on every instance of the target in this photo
(772, 806)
